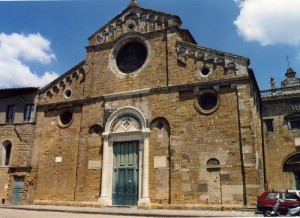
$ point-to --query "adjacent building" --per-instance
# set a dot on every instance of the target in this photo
(17, 125)
(281, 116)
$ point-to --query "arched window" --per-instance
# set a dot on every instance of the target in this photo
(160, 123)
(6, 153)
(213, 165)
(96, 129)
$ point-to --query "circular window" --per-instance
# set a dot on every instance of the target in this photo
(131, 26)
(65, 118)
(131, 57)
(205, 71)
(207, 102)
(68, 93)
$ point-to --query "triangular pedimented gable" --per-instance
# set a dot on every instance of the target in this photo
(137, 19)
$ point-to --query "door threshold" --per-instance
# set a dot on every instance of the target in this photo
(124, 206)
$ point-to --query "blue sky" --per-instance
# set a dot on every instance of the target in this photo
(40, 40)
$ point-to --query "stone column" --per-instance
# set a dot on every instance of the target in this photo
(144, 202)
(104, 200)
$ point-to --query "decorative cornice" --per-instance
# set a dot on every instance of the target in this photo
(147, 35)
(149, 91)
(185, 49)
(125, 94)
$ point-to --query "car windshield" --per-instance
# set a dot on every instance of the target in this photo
(291, 197)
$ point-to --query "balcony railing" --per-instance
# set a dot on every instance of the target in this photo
(279, 91)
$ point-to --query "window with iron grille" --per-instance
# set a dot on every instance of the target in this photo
(28, 112)
(10, 113)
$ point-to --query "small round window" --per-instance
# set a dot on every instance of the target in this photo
(68, 93)
(131, 26)
(131, 57)
(205, 71)
(207, 102)
(65, 118)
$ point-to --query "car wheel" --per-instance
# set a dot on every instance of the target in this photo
(268, 212)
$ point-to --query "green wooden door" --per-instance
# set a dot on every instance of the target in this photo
(125, 173)
(18, 189)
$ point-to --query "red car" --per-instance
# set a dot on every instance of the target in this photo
(267, 200)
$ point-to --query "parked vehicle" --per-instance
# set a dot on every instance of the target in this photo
(295, 191)
(293, 210)
(267, 200)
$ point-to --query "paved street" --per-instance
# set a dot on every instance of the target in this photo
(35, 211)
(13, 213)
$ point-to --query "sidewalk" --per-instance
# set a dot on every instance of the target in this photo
(133, 211)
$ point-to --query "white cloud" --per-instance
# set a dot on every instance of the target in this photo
(269, 21)
(18, 49)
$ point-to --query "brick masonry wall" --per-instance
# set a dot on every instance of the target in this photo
(159, 163)
(90, 153)
(20, 134)
(4, 180)
(178, 174)
(58, 156)
(194, 139)
(251, 141)
(101, 80)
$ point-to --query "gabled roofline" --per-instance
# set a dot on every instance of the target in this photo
(217, 52)
(127, 9)
(62, 76)
(186, 31)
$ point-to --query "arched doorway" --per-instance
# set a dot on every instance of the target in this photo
(292, 164)
(125, 165)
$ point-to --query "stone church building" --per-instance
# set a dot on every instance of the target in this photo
(149, 118)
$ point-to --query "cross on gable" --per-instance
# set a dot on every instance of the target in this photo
(287, 59)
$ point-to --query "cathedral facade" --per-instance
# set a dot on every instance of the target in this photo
(149, 118)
